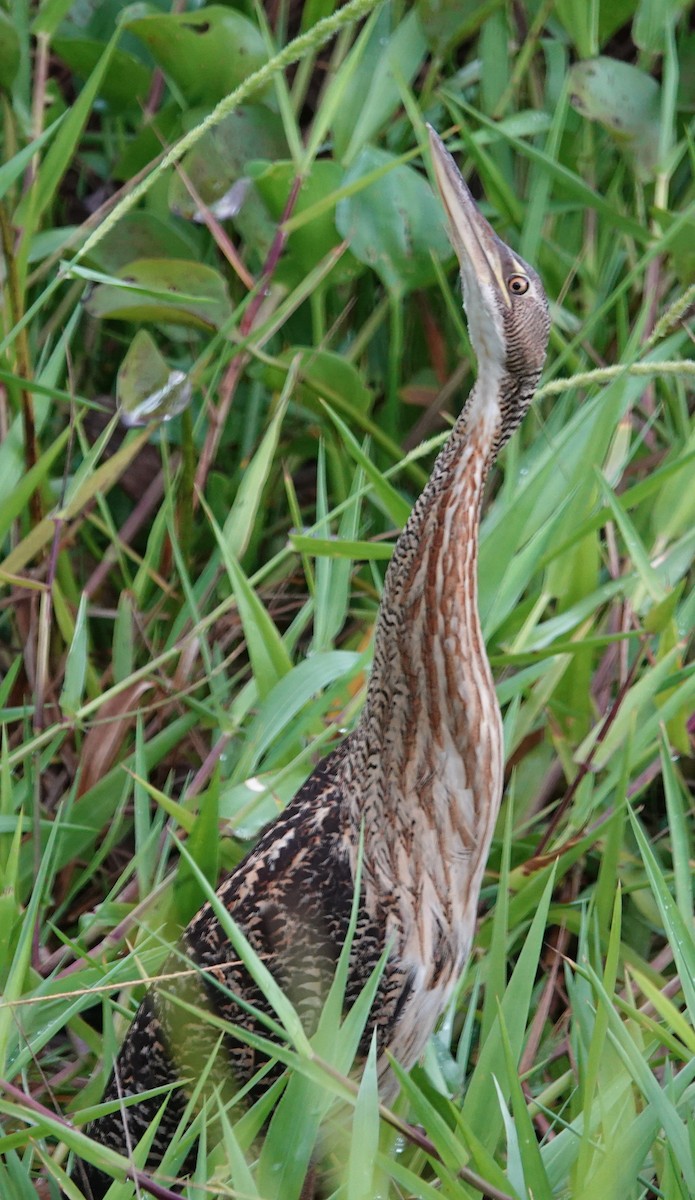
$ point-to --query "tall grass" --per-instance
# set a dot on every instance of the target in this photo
(189, 591)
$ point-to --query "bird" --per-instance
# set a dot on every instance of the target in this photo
(407, 802)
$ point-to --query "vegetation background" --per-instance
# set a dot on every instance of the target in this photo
(231, 345)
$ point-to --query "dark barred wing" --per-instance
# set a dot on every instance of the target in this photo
(292, 897)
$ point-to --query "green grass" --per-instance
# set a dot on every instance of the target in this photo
(187, 608)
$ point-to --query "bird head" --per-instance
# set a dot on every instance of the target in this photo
(506, 306)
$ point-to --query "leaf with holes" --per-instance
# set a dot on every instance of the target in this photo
(206, 53)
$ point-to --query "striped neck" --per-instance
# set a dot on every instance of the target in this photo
(427, 737)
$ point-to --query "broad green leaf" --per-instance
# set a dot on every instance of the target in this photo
(395, 224)
(206, 53)
(125, 83)
(219, 159)
(447, 23)
(140, 235)
(281, 707)
(161, 289)
(307, 245)
(626, 101)
(321, 375)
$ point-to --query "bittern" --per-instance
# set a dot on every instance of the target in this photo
(419, 779)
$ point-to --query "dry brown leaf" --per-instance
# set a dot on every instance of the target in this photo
(105, 738)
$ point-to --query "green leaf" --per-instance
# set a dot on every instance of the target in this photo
(17, 165)
(281, 707)
(146, 389)
(76, 665)
(678, 931)
(219, 159)
(364, 1143)
(14, 495)
(652, 19)
(341, 548)
(626, 101)
(394, 223)
(241, 518)
(533, 1180)
(386, 494)
(203, 845)
(126, 81)
(86, 484)
(9, 51)
(396, 65)
(447, 23)
(321, 375)
(206, 53)
(308, 244)
(267, 652)
(480, 1107)
(142, 235)
(677, 803)
(162, 289)
(62, 152)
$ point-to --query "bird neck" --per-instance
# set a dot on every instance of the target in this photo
(427, 752)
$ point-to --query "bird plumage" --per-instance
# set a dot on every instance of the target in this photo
(420, 778)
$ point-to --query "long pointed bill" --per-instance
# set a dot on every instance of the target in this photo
(474, 240)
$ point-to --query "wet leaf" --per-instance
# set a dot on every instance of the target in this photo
(162, 289)
(626, 101)
(146, 388)
(205, 53)
(394, 224)
(221, 155)
(126, 81)
(310, 243)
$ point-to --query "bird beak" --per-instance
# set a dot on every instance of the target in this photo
(473, 238)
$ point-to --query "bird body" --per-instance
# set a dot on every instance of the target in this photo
(418, 782)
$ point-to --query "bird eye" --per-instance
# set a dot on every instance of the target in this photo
(517, 284)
